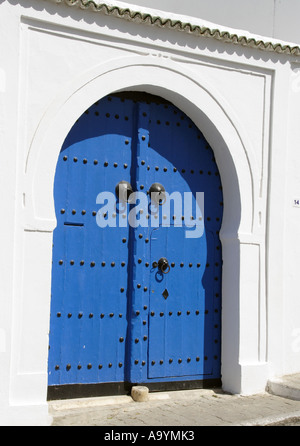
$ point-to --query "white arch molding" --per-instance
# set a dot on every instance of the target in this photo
(236, 163)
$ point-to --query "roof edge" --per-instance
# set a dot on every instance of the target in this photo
(178, 25)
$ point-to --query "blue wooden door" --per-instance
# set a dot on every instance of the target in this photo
(115, 315)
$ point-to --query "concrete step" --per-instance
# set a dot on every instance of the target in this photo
(287, 386)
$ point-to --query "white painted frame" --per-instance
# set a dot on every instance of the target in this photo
(241, 241)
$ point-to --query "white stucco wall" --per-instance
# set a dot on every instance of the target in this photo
(270, 18)
(57, 61)
(291, 212)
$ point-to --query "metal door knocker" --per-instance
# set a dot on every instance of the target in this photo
(124, 191)
(158, 193)
(163, 265)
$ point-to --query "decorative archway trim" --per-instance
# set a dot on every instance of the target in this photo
(194, 95)
(197, 98)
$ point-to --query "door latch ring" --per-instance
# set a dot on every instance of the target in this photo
(163, 265)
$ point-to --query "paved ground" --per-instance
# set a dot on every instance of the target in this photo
(182, 408)
(294, 421)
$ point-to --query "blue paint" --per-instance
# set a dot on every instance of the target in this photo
(110, 321)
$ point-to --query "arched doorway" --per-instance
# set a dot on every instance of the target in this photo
(117, 316)
(221, 128)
